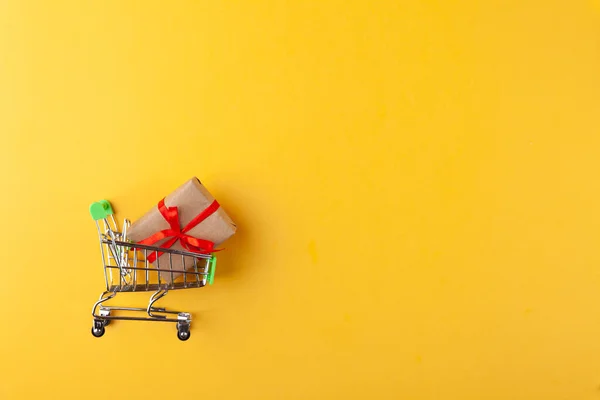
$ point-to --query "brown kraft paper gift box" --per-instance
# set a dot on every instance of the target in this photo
(191, 199)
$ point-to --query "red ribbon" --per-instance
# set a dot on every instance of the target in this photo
(175, 233)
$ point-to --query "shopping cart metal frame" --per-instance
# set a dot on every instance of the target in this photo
(126, 269)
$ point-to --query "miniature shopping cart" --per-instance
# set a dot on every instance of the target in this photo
(126, 269)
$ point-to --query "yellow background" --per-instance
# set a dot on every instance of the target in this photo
(415, 184)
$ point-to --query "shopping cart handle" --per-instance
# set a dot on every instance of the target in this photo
(211, 269)
(100, 210)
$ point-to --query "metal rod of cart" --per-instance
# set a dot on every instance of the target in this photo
(126, 269)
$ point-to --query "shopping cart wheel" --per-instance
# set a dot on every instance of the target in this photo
(98, 328)
(183, 331)
(183, 335)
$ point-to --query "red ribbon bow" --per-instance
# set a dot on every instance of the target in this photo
(175, 233)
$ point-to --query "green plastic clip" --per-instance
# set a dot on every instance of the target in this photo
(211, 269)
(100, 210)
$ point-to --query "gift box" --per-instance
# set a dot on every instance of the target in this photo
(188, 219)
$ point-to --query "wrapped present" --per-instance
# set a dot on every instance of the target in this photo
(188, 219)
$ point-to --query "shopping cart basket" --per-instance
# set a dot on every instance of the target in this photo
(126, 269)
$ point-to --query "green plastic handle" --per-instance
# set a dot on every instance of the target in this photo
(211, 269)
(100, 210)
